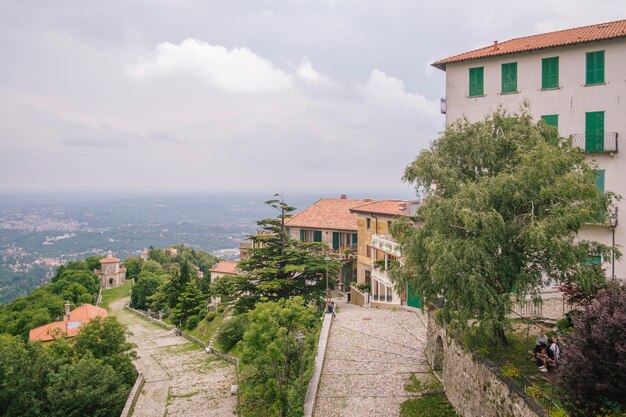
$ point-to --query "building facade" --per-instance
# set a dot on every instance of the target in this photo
(70, 326)
(111, 274)
(573, 79)
(219, 270)
(378, 251)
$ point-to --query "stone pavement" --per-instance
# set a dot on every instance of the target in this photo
(371, 354)
(180, 378)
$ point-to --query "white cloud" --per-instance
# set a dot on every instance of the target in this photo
(237, 69)
(306, 71)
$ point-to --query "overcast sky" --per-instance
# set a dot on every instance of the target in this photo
(301, 96)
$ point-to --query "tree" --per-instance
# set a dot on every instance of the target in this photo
(504, 201)
(146, 286)
(280, 267)
(190, 303)
(274, 361)
(593, 369)
(133, 267)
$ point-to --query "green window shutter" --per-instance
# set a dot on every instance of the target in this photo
(509, 77)
(551, 120)
(550, 72)
(476, 81)
(354, 240)
(594, 260)
(336, 240)
(317, 236)
(595, 67)
(301, 235)
(594, 131)
(600, 180)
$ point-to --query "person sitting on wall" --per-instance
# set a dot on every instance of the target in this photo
(554, 354)
(541, 357)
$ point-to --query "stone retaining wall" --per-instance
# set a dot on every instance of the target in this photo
(132, 397)
(474, 386)
(311, 392)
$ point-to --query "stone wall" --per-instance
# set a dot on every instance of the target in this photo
(475, 387)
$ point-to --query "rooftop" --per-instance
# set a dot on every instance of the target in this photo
(388, 207)
(69, 326)
(225, 267)
(328, 213)
(597, 32)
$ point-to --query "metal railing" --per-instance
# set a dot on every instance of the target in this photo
(596, 142)
(542, 395)
(528, 308)
(386, 243)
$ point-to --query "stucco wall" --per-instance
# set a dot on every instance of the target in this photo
(570, 101)
(474, 387)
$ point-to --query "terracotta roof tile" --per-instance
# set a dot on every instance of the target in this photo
(328, 213)
(225, 267)
(83, 314)
(109, 260)
(602, 31)
(387, 207)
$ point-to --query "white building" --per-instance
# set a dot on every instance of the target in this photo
(111, 274)
(574, 79)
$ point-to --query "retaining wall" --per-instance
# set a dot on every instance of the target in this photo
(311, 392)
(474, 386)
(132, 397)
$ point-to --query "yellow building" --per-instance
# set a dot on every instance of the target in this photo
(377, 250)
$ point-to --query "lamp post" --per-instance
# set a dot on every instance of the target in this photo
(613, 224)
(327, 259)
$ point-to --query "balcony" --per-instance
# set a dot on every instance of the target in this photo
(344, 252)
(381, 275)
(601, 142)
(386, 243)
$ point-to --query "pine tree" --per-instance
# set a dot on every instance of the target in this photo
(190, 303)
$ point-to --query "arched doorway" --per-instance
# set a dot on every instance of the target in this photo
(110, 282)
(438, 358)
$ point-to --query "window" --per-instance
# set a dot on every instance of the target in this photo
(594, 131)
(310, 235)
(476, 82)
(368, 223)
(550, 72)
(509, 78)
(595, 67)
(594, 260)
(600, 180)
(317, 236)
(551, 120)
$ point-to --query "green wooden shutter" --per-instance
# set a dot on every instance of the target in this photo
(509, 77)
(600, 180)
(550, 72)
(594, 131)
(336, 240)
(594, 260)
(551, 120)
(301, 235)
(354, 240)
(595, 67)
(476, 81)
(317, 236)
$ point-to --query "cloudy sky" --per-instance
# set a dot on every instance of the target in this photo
(298, 96)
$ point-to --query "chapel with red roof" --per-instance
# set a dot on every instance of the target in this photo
(110, 274)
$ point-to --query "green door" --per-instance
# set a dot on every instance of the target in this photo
(594, 131)
(336, 240)
(317, 236)
(413, 299)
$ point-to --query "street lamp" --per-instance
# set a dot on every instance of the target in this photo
(327, 259)
(613, 224)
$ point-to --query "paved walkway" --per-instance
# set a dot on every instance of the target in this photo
(180, 378)
(371, 354)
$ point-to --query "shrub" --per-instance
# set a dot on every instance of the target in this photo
(192, 322)
(210, 316)
(363, 286)
(231, 333)
(510, 371)
(533, 391)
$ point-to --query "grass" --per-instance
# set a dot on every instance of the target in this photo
(114, 294)
(205, 329)
(429, 406)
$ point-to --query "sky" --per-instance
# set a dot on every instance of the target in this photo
(295, 96)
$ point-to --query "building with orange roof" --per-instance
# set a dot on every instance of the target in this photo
(377, 250)
(70, 326)
(221, 269)
(110, 274)
(573, 79)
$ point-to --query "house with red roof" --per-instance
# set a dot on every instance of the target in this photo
(378, 251)
(111, 274)
(70, 326)
(573, 80)
(221, 269)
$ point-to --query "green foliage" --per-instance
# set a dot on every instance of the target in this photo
(533, 391)
(427, 385)
(280, 267)
(133, 267)
(429, 406)
(190, 303)
(231, 332)
(565, 325)
(364, 286)
(193, 321)
(504, 203)
(276, 366)
(145, 287)
(510, 370)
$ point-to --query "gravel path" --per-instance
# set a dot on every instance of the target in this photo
(180, 378)
(370, 355)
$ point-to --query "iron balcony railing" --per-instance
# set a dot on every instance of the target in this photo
(596, 142)
(386, 243)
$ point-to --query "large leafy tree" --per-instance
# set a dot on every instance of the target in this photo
(504, 199)
(593, 370)
(190, 303)
(277, 350)
(280, 267)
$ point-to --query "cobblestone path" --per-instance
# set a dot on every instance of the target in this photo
(180, 378)
(370, 355)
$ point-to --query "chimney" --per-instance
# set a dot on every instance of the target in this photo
(343, 197)
(67, 310)
(495, 45)
(402, 206)
(367, 200)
